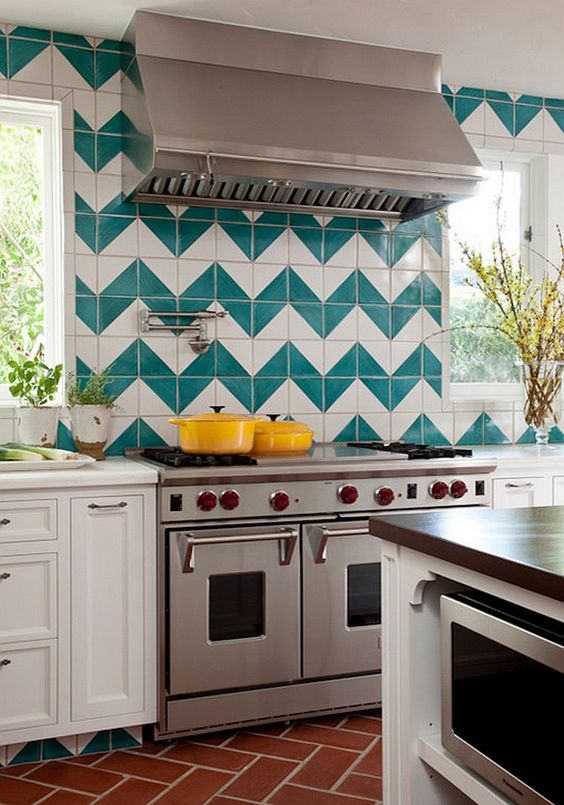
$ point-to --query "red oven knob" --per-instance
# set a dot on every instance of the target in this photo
(348, 493)
(384, 496)
(438, 490)
(279, 501)
(458, 489)
(207, 500)
(229, 499)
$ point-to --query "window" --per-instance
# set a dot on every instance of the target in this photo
(482, 363)
(31, 250)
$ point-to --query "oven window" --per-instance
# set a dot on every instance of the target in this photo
(236, 606)
(363, 595)
(509, 707)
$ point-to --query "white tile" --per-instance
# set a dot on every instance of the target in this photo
(493, 125)
(162, 427)
(227, 249)
(347, 401)
(64, 74)
(475, 123)
(87, 350)
(278, 402)
(297, 327)
(367, 330)
(278, 251)
(299, 401)
(150, 404)
(333, 424)
(126, 324)
(107, 189)
(347, 255)
(345, 328)
(380, 422)
(64, 96)
(84, 104)
(125, 244)
(299, 252)
(24, 89)
(241, 273)
(107, 106)
(204, 247)
(264, 274)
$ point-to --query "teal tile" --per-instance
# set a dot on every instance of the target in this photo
(380, 387)
(239, 312)
(122, 739)
(276, 290)
(506, 113)
(496, 95)
(273, 218)
(29, 753)
(436, 313)
(436, 244)
(401, 386)
(164, 230)
(107, 65)
(379, 242)
(446, 90)
(527, 437)
(312, 387)
(117, 385)
(413, 226)
(189, 232)
(189, 388)
(227, 364)
(412, 365)
(149, 210)
(242, 389)
(263, 389)
(165, 388)
(554, 103)
(471, 92)
(312, 314)
(299, 291)
(366, 432)
(342, 222)
(380, 315)
(333, 315)
(151, 285)
(85, 147)
(278, 365)
(265, 236)
(61, 38)
(23, 32)
(556, 436)
(333, 240)
(312, 240)
(82, 370)
(401, 316)
(400, 245)
(346, 291)
(463, 107)
(367, 365)
(87, 311)
(80, 123)
(114, 45)
(414, 433)
(3, 55)
(349, 433)
(263, 313)
(347, 365)
(81, 288)
(475, 433)
(150, 364)
(99, 743)
(558, 116)
(108, 146)
(492, 433)
(109, 308)
(81, 206)
(449, 100)
(125, 284)
(227, 286)
(126, 364)
(523, 116)
(232, 216)
(52, 748)
(204, 365)
(242, 235)
(147, 438)
(21, 52)
(368, 293)
(531, 100)
(64, 438)
(128, 438)
(199, 214)
(85, 228)
(436, 383)
(119, 206)
(431, 225)
(431, 294)
(333, 388)
(432, 434)
(202, 287)
(110, 227)
(371, 225)
(300, 366)
(411, 294)
(431, 364)
(298, 220)
(82, 59)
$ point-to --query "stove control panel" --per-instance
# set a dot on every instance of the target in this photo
(299, 497)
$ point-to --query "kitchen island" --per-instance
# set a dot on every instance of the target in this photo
(515, 555)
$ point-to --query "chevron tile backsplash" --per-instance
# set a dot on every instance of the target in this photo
(335, 321)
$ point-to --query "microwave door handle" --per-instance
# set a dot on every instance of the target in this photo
(287, 537)
(326, 533)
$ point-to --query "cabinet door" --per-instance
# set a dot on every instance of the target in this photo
(28, 597)
(107, 655)
(558, 490)
(516, 493)
(28, 684)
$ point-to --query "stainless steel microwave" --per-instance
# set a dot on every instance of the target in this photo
(503, 695)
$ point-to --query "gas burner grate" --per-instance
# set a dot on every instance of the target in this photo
(412, 450)
(174, 457)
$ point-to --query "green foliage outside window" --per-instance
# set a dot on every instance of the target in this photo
(21, 242)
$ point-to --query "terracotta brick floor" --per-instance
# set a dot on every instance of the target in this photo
(333, 760)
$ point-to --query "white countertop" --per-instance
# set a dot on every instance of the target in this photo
(113, 471)
(510, 456)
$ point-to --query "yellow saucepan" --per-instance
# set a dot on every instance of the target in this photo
(217, 433)
(282, 437)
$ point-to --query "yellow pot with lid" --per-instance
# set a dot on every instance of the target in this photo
(216, 433)
(282, 437)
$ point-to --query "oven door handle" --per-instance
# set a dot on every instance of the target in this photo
(326, 533)
(287, 537)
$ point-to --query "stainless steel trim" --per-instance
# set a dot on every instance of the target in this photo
(325, 533)
(526, 485)
(187, 542)
(121, 505)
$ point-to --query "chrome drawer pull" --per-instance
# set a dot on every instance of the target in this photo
(187, 543)
(5, 521)
(5, 662)
(121, 505)
(527, 485)
(321, 555)
(5, 576)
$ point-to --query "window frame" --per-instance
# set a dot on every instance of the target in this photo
(46, 115)
(534, 212)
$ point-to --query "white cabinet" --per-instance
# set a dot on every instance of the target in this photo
(28, 684)
(558, 490)
(107, 603)
(27, 520)
(512, 493)
(28, 597)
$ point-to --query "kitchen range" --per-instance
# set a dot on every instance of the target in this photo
(269, 582)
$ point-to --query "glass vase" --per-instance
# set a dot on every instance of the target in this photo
(542, 385)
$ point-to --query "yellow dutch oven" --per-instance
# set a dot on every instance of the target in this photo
(217, 433)
(282, 437)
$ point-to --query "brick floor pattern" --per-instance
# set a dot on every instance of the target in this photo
(333, 760)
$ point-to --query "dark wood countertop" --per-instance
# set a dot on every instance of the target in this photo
(524, 547)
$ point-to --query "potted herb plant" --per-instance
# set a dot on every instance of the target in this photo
(35, 385)
(90, 406)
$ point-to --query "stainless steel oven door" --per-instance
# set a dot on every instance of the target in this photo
(233, 608)
(341, 599)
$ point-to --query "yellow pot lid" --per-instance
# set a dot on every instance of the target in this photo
(216, 416)
(281, 427)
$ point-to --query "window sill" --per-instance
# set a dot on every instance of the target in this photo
(485, 392)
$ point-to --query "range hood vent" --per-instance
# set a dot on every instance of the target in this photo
(227, 116)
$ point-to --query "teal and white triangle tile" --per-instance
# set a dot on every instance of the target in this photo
(340, 247)
(29, 61)
(498, 426)
(271, 395)
(158, 396)
(473, 113)
(117, 235)
(118, 316)
(306, 358)
(553, 123)
(374, 286)
(234, 358)
(271, 320)
(340, 394)
(374, 426)
(340, 427)
(234, 242)
(238, 322)
(91, 742)
(406, 423)
(236, 393)
(158, 356)
(158, 278)
(63, 746)
(124, 433)
(196, 394)
(151, 431)
(434, 257)
(305, 320)
(305, 246)
(500, 119)
(407, 359)
(306, 394)
(407, 322)
(24, 752)
(340, 358)
(109, 116)
(374, 323)
(270, 282)
(197, 240)
(86, 321)
(529, 122)
(126, 391)
(84, 192)
(305, 284)
(234, 280)
(196, 279)
(406, 394)
(432, 397)
(340, 285)
(270, 244)
(84, 110)
(407, 287)
(374, 395)
(339, 321)
(405, 251)
(84, 157)
(118, 355)
(374, 359)
(157, 237)
(373, 249)
(73, 67)
(107, 75)
(192, 364)
(128, 737)
(271, 358)
(438, 428)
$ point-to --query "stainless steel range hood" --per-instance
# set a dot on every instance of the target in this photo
(223, 115)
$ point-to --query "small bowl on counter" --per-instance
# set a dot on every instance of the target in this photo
(272, 437)
(216, 433)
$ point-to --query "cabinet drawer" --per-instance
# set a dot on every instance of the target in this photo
(23, 520)
(28, 684)
(28, 602)
(515, 493)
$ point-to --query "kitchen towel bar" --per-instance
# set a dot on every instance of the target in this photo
(200, 342)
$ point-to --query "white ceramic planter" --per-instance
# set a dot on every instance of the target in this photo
(90, 425)
(38, 425)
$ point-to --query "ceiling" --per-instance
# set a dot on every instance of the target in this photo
(506, 44)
